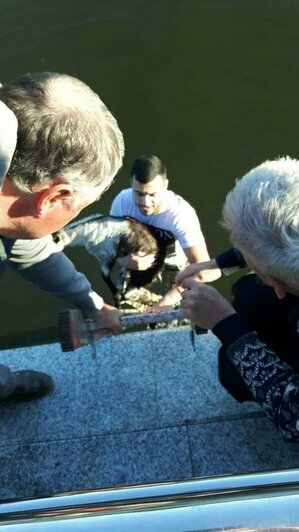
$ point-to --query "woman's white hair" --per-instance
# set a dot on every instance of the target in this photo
(262, 216)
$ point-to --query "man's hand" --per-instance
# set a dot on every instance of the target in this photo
(136, 261)
(108, 318)
(204, 305)
(202, 272)
(167, 302)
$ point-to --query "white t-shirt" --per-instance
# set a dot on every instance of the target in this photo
(178, 217)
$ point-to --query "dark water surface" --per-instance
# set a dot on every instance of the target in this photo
(212, 87)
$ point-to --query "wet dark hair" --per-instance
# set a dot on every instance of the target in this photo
(143, 238)
(146, 167)
(139, 238)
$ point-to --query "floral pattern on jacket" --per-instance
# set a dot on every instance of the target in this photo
(274, 384)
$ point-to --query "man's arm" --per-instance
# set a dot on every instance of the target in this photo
(197, 253)
(40, 262)
(227, 262)
(194, 254)
(187, 231)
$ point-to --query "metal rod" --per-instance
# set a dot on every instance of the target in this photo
(132, 320)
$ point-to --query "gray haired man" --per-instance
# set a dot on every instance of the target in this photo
(60, 148)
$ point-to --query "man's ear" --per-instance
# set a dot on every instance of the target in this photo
(53, 197)
(279, 287)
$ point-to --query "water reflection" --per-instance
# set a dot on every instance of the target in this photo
(209, 86)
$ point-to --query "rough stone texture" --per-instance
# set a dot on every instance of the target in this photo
(149, 408)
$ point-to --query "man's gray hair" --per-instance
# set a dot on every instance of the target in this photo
(262, 216)
(65, 133)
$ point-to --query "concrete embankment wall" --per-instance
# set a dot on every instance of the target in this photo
(148, 408)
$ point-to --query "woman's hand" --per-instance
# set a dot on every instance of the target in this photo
(202, 272)
(204, 305)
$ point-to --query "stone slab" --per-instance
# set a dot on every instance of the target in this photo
(148, 408)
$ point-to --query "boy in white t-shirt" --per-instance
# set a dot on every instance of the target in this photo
(150, 202)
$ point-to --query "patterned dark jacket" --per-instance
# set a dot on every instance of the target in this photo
(273, 383)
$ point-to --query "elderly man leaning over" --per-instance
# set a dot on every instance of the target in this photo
(60, 148)
(259, 358)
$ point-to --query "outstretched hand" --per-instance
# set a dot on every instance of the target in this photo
(203, 304)
(202, 272)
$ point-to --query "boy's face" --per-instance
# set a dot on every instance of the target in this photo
(149, 197)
